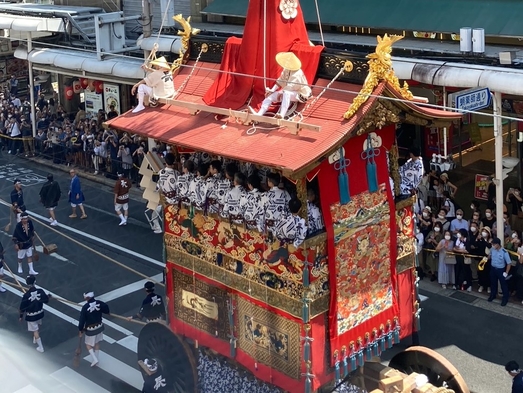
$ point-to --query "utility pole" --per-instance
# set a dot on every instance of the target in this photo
(147, 22)
(498, 149)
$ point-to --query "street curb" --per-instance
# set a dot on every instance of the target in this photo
(135, 193)
(512, 309)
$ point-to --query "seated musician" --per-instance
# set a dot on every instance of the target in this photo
(291, 86)
(313, 214)
(217, 188)
(290, 227)
(232, 207)
(198, 187)
(251, 204)
(168, 179)
(274, 201)
(183, 183)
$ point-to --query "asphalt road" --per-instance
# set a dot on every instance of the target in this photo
(476, 336)
(73, 270)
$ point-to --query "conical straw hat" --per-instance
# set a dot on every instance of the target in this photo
(288, 60)
(161, 62)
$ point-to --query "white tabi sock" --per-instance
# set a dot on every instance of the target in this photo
(40, 347)
(122, 219)
(31, 270)
(93, 357)
(20, 270)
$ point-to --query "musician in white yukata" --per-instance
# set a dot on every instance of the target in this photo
(157, 84)
(274, 202)
(168, 177)
(291, 86)
(290, 227)
(313, 214)
(198, 187)
(183, 183)
(251, 204)
(217, 189)
(411, 173)
(232, 207)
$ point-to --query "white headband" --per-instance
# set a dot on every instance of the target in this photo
(152, 365)
(89, 294)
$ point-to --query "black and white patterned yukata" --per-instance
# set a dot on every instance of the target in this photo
(183, 184)
(315, 219)
(232, 207)
(198, 192)
(290, 229)
(275, 202)
(167, 184)
(217, 189)
(411, 173)
(251, 206)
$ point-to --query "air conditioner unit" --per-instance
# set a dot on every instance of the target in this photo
(465, 39)
(167, 12)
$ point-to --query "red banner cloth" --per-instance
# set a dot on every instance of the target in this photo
(328, 180)
(406, 299)
(264, 26)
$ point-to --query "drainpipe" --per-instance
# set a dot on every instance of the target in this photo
(445, 150)
(498, 154)
(31, 83)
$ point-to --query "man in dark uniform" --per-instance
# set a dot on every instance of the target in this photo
(153, 309)
(17, 199)
(32, 305)
(50, 194)
(91, 323)
(23, 240)
(514, 371)
(153, 381)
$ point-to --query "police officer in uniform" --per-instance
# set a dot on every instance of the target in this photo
(153, 308)
(32, 305)
(91, 323)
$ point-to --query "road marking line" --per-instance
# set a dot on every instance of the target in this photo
(29, 389)
(129, 342)
(75, 307)
(76, 382)
(57, 313)
(131, 220)
(119, 369)
(126, 289)
(94, 238)
(422, 298)
(54, 254)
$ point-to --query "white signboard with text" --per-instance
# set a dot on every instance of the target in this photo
(111, 97)
(93, 103)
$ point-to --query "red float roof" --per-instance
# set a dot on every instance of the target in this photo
(277, 148)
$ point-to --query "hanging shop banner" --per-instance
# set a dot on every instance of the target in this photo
(93, 103)
(481, 187)
(111, 97)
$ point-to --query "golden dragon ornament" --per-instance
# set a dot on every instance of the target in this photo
(380, 69)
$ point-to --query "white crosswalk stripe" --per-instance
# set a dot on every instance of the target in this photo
(76, 382)
(29, 389)
(422, 298)
(119, 369)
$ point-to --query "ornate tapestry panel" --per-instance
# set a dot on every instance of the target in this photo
(201, 305)
(269, 338)
(362, 244)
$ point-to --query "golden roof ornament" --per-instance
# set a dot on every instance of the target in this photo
(186, 35)
(380, 69)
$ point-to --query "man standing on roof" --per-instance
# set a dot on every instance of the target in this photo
(91, 323)
(157, 84)
(291, 86)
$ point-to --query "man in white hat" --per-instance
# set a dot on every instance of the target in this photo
(291, 86)
(91, 323)
(157, 84)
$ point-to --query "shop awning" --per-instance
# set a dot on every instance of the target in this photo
(71, 60)
(277, 148)
(498, 18)
(439, 73)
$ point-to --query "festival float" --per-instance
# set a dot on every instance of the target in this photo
(248, 311)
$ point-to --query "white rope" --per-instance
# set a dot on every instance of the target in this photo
(163, 20)
(319, 22)
(265, 45)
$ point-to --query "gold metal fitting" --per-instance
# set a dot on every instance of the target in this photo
(204, 48)
(348, 66)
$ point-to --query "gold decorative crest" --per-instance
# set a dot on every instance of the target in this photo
(380, 69)
(186, 35)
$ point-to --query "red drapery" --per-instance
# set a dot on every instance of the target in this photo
(406, 301)
(264, 26)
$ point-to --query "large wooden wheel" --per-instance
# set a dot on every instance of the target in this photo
(175, 357)
(439, 370)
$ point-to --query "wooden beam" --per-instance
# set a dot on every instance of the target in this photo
(246, 117)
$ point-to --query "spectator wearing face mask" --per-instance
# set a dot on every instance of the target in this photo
(442, 218)
(484, 246)
(507, 230)
(446, 274)
(489, 218)
(476, 219)
(462, 271)
(459, 223)
(431, 258)
(516, 201)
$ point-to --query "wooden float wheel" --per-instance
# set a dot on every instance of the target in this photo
(173, 354)
(424, 360)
